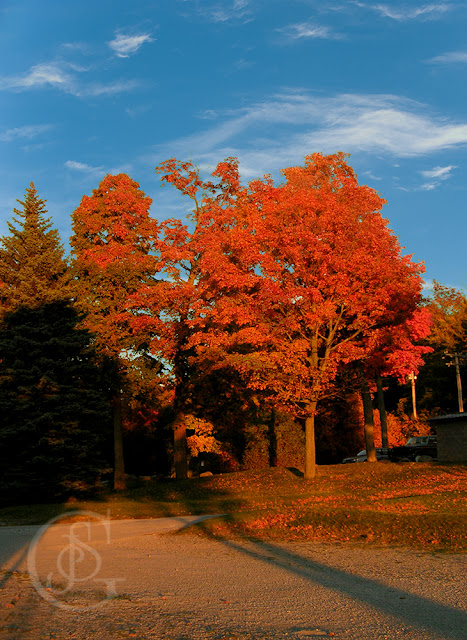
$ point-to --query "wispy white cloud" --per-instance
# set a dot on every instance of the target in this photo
(82, 167)
(51, 74)
(281, 131)
(442, 173)
(109, 89)
(80, 47)
(89, 170)
(451, 57)
(127, 45)
(436, 176)
(403, 13)
(26, 132)
(370, 175)
(225, 11)
(64, 77)
(308, 30)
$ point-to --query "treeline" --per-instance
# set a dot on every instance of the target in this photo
(247, 336)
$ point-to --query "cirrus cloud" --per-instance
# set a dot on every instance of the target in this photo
(52, 74)
(64, 77)
(451, 57)
(126, 45)
(401, 14)
(90, 171)
(435, 176)
(280, 131)
(24, 132)
(308, 30)
(223, 12)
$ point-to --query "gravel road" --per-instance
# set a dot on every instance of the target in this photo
(131, 581)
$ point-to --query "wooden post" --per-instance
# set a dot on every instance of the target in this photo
(412, 378)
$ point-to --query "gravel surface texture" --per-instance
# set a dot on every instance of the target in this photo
(131, 581)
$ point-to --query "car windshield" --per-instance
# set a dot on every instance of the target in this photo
(417, 440)
(362, 453)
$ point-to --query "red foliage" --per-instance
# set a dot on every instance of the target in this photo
(303, 275)
(285, 283)
(396, 349)
(112, 243)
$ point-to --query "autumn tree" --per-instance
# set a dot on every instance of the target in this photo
(113, 258)
(176, 301)
(296, 278)
(33, 270)
(440, 385)
(448, 309)
(396, 351)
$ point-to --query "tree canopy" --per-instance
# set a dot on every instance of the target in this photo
(33, 270)
(269, 297)
(297, 279)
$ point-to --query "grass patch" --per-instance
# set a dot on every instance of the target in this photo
(420, 505)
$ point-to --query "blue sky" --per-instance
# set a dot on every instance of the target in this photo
(109, 86)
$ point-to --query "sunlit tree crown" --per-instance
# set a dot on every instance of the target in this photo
(33, 270)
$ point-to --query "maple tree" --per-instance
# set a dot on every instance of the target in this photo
(33, 270)
(174, 304)
(448, 309)
(113, 258)
(397, 351)
(296, 278)
(448, 339)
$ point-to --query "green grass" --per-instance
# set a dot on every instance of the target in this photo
(419, 505)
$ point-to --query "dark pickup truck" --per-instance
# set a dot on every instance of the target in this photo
(416, 449)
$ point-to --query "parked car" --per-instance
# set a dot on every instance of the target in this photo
(381, 454)
(416, 449)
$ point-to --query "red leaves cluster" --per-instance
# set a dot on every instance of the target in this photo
(112, 243)
(296, 279)
(284, 283)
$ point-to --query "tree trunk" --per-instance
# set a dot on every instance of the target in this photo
(310, 451)
(272, 439)
(382, 411)
(119, 468)
(180, 447)
(368, 415)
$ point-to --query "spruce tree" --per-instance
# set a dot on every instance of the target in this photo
(55, 431)
(33, 270)
(53, 403)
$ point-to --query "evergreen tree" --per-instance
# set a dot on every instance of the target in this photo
(56, 429)
(32, 266)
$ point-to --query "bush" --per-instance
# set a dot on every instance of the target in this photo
(280, 442)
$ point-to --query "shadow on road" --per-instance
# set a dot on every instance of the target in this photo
(403, 606)
(411, 609)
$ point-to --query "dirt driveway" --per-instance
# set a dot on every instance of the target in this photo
(128, 580)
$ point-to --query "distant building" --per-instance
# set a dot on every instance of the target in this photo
(451, 432)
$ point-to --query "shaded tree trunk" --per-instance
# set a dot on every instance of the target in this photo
(180, 447)
(382, 411)
(272, 439)
(310, 449)
(367, 413)
(119, 463)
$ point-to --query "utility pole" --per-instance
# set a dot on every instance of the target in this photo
(412, 377)
(456, 362)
